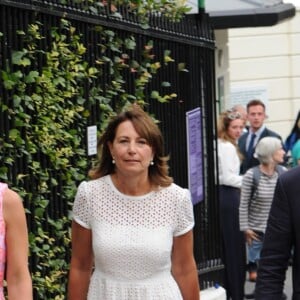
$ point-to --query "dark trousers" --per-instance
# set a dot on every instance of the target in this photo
(234, 249)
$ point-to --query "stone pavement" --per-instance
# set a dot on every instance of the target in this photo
(249, 287)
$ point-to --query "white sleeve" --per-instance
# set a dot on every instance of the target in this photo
(81, 210)
(185, 213)
(229, 166)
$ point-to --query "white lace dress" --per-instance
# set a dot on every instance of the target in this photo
(132, 239)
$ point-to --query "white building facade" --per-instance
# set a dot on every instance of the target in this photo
(266, 60)
(262, 63)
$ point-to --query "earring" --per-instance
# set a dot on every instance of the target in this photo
(151, 162)
(113, 161)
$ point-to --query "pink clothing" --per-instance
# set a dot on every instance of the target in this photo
(3, 187)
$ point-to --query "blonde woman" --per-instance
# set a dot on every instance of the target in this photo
(230, 128)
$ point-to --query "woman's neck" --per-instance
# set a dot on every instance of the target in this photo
(134, 186)
(268, 169)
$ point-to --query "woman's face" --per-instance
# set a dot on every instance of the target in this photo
(132, 153)
(278, 156)
(235, 128)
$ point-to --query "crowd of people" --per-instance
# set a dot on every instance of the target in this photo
(251, 160)
(132, 228)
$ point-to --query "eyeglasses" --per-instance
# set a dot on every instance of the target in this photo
(233, 114)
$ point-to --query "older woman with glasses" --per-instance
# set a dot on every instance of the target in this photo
(230, 128)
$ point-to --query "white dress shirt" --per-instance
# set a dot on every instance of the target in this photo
(229, 164)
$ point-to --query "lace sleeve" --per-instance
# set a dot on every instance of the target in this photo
(81, 211)
(185, 214)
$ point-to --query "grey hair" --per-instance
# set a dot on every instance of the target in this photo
(266, 148)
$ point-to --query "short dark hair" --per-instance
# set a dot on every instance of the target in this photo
(255, 102)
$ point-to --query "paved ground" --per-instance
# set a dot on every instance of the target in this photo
(249, 287)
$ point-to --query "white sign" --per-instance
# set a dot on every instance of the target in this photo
(92, 140)
(242, 94)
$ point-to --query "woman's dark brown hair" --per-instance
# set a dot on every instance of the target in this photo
(146, 128)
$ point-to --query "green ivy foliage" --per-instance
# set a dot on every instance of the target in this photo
(50, 91)
(173, 10)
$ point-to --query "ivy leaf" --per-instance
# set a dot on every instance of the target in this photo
(181, 67)
(31, 77)
(92, 71)
(11, 79)
(60, 81)
(164, 99)
(155, 95)
(9, 84)
(134, 64)
(38, 212)
(81, 49)
(20, 32)
(16, 100)
(19, 59)
(165, 84)
(167, 57)
(14, 134)
(93, 10)
(21, 176)
(117, 15)
(110, 33)
(130, 44)
(145, 26)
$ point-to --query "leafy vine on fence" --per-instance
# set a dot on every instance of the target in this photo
(49, 94)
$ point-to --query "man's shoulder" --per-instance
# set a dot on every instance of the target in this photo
(289, 182)
(243, 137)
(291, 174)
(269, 132)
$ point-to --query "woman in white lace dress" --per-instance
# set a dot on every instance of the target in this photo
(132, 226)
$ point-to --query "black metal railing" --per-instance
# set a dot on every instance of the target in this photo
(190, 41)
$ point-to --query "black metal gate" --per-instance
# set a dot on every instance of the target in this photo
(191, 41)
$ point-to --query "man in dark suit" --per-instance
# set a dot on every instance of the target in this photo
(282, 235)
(256, 115)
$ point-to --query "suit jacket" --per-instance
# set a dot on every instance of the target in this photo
(282, 235)
(249, 163)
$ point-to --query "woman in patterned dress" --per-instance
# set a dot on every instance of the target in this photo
(132, 235)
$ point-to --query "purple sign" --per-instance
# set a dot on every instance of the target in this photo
(194, 147)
